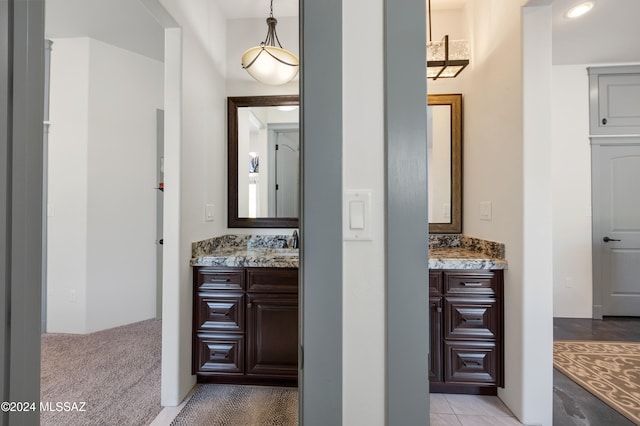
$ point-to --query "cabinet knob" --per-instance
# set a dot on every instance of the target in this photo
(249, 305)
(604, 121)
(439, 309)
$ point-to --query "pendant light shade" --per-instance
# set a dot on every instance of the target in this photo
(445, 59)
(270, 63)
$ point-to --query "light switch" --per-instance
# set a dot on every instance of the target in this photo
(356, 213)
(485, 210)
(209, 212)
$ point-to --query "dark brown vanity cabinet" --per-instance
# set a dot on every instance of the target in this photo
(245, 325)
(466, 353)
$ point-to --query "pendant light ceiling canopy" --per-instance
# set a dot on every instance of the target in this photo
(445, 59)
(270, 63)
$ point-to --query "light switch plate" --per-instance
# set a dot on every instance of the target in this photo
(356, 215)
(209, 213)
(485, 210)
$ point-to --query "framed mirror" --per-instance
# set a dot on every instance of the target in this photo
(444, 153)
(263, 161)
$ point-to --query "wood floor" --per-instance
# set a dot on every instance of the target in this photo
(572, 405)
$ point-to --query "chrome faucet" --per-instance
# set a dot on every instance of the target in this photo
(294, 239)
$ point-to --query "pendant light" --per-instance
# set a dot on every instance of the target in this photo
(446, 59)
(268, 63)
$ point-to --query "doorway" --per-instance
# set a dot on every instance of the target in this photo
(616, 227)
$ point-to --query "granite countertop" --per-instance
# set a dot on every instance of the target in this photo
(454, 251)
(245, 251)
(446, 251)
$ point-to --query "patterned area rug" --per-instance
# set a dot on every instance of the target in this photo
(230, 405)
(609, 370)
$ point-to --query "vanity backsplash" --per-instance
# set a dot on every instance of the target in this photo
(206, 247)
(490, 248)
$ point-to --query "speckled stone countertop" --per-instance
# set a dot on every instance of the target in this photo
(454, 251)
(245, 251)
(446, 251)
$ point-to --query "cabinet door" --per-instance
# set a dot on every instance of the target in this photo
(435, 339)
(272, 335)
(615, 100)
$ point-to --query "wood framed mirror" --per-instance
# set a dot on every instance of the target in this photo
(444, 147)
(263, 161)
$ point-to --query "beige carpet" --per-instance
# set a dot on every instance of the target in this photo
(230, 405)
(116, 372)
(609, 370)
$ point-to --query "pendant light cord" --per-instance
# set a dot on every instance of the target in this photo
(429, 13)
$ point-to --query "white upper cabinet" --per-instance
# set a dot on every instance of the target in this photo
(614, 100)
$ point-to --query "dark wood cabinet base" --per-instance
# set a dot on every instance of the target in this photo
(467, 328)
(471, 389)
(245, 325)
(247, 380)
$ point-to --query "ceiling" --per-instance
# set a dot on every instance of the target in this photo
(608, 34)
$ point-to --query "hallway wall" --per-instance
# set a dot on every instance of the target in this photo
(102, 212)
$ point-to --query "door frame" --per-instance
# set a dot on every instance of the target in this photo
(21, 168)
(597, 252)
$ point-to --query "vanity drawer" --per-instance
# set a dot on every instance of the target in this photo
(472, 362)
(220, 312)
(272, 280)
(471, 318)
(435, 282)
(470, 283)
(219, 279)
(219, 353)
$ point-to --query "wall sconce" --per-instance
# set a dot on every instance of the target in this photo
(268, 63)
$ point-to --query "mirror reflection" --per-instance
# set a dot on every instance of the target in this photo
(444, 148)
(264, 161)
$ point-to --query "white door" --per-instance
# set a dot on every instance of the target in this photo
(287, 170)
(159, 208)
(616, 229)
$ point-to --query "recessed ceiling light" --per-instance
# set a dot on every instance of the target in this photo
(579, 9)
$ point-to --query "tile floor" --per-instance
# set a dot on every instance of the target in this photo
(469, 410)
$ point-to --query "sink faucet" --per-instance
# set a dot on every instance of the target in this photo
(294, 239)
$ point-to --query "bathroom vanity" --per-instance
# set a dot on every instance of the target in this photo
(466, 301)
(245, 311)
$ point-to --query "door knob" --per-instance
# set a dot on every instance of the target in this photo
(607, 239)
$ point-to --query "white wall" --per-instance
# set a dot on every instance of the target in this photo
(67, 186)
(195, 175)
(571, 174)
(363, 339)
(502, 167)
(101, 185)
